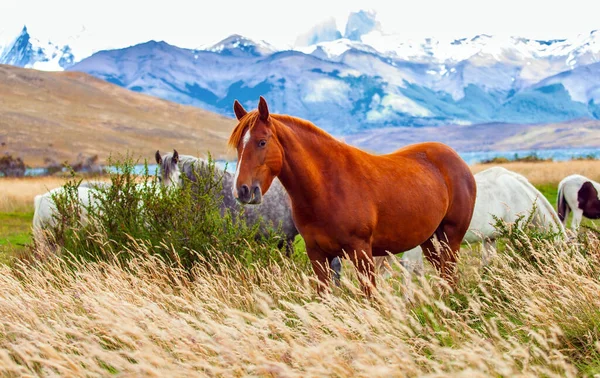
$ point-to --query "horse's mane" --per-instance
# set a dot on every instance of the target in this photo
(249, 120)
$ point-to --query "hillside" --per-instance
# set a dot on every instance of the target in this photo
(58, 115)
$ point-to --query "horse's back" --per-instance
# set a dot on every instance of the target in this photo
(457, 175)
(499, 187)
(546, 216)
(45, 207)
(575, 181)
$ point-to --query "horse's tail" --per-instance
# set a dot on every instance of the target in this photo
(562, 206)
(37, 221)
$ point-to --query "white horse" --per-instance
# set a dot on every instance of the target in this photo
(45, 211)
(578, 194)
(505, 195)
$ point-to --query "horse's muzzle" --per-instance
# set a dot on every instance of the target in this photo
(250, 197)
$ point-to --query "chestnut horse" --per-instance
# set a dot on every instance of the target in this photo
(345, 200)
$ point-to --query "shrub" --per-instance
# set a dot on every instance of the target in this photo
(183, 225)
(523, 239)
(531, 158)
(11, 166)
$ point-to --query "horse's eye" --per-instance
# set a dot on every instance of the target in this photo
(262, 143)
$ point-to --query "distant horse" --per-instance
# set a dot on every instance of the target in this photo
(273, 211)
(508, 195)
(45, 211)
(505, 195)
(578, 194)
(347, 200)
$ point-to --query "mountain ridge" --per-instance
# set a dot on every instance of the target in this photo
(365, 79)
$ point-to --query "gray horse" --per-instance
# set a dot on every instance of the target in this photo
(275, 210)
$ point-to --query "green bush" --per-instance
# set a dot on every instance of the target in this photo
(183, 225)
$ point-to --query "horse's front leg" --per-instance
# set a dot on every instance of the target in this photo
(362, 258)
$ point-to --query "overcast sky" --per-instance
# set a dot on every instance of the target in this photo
(119, 23)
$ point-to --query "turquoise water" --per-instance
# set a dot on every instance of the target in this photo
(470, 157)
(556, 154)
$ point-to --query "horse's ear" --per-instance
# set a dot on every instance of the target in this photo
(263, 109)
(175, 156)
(239, 110)
(158, 157)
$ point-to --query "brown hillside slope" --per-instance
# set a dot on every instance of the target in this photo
(58, 115)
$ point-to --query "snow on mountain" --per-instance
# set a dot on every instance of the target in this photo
(25, 51)
(583, 49)
(334, 50)
(582, 83)
(238, 45)
(361, 23)
(323, 32)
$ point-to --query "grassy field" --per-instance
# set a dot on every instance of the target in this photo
(16, 211)
(16, 196)
(533, 312)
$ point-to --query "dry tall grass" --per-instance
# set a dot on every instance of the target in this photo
(17, 194)
(148, 319)
(549, 172)
(59, 115)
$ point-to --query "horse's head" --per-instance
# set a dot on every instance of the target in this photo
(170, 173)
(260, 155)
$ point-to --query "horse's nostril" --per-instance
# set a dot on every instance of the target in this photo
(244, 190)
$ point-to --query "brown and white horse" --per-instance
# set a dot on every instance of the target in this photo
(578, 194)
(345, 200)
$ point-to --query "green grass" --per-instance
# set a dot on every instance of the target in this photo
(550, 191)
(15, 234)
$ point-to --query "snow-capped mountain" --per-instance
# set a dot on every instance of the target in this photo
(25, 51)
(237, 45)
(348, 88)
(364, 78)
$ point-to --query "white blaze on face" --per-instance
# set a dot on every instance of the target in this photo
(239, 164)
